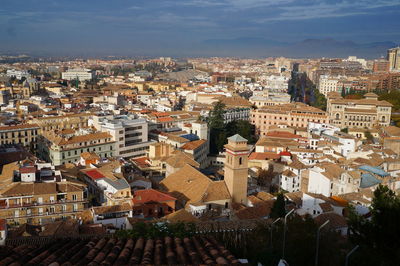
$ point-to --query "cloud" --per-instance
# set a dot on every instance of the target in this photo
(135, 8)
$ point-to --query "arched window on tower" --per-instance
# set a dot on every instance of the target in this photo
(240, 161)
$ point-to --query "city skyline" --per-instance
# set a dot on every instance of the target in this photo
(253, 28)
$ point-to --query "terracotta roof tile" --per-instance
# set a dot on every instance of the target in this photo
(147, 195)
(198, 250)
(193, 144)
(94, 174)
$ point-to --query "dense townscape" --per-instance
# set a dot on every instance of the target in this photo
(200, 161)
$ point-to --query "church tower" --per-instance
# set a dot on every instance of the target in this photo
(236, 168)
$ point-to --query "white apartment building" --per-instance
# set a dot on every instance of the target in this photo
(129, 132)
(353, 58)
(81, 74)
(280, 83)
(18, 74)
(329, 83)
(269, 98)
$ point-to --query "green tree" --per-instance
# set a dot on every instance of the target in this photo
(242, 127)
(369, 136)
(217, 128)
(343, 91)
(265, 176)
(278, 209)
(379, 235)
(320, 100)
(393, 97)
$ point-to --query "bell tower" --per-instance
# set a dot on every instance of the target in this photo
(236, 168)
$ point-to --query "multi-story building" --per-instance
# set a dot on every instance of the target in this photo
(329, 83)
(41, 196)
(24, 134)
(66, 146)
(292, 114)
(380, 65)
(5, 96)
(129, 132)
(18, 74)
(52, 123)
(79, 73)
(236, 108)
(394, 59)
(106, 187)
(269, 98)
(280, 83)
(368, 112)
(383, 81)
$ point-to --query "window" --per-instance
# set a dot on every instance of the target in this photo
(74, 197)
(240, 161)
(75, 207)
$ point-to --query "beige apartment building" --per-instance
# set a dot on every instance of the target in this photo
(38, 194)
(368, 112)
(37, 203)
(292, 114)
(67, 147)
(269, 98)
(394, 59)
(19, 134)
(52, 123)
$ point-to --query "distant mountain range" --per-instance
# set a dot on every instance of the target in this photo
(307, 48)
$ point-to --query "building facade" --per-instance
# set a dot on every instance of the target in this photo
(368, 112)
(25, 135)
(129, 133)
(293, 114)
(394, 59)
(269, 98)
(61, 148)
(41, 196)
(236, 168)
(52, 123)
(80, 74)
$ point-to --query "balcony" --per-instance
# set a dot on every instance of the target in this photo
(44, 214)
(35, 204)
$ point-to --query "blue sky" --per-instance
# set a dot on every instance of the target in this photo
(182, 27)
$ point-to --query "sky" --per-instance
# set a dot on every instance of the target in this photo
(188, 27)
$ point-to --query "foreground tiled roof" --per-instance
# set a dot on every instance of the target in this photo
(150, 195)
(113, 251)
(180, 216)
(180, 159)
(27, 189)
(193, 144)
